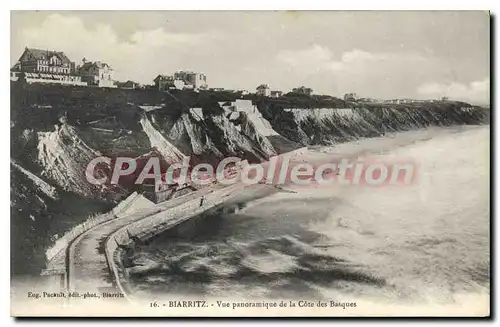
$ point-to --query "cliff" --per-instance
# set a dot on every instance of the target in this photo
(330, 125)
(57, 130)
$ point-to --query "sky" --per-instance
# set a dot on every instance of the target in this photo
(380, 54)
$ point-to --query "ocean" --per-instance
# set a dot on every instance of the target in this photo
(427, 242)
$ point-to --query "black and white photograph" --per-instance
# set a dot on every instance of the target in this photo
(250, 163)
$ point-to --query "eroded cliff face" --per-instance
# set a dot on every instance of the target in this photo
(212, 133)
(64, 157)
(56, 131)
(333, 125)
(56, 139)
(259, 132)
(233, 141)
(187, 133)
(168, 151)
(40, 213)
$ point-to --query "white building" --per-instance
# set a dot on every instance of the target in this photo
(96, 73)
(45, 66)
(165, 82)
(276, 94)
(263, 90)
(192, 80)
(44, 61)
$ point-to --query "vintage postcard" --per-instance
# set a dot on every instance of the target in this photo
(250, 164)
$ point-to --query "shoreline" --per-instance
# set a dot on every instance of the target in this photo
(159, 223)
(421, 135)
(419, 138)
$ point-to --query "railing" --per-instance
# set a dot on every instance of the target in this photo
(54, 81)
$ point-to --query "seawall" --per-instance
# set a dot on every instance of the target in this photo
(155, 224)
(56, 254)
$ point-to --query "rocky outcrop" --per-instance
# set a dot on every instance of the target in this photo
(64, 158)
(169, 152)
(56, 131)
(335, 125)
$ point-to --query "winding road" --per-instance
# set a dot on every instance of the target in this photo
(87, 263)
(90, 263)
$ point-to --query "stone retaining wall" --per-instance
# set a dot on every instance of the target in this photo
(158, 223)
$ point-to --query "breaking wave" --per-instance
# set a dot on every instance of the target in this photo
(427, 242)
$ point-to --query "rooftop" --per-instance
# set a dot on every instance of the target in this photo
(44, 54)
(97, 64)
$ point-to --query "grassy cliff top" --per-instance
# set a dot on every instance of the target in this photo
(94, 102)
